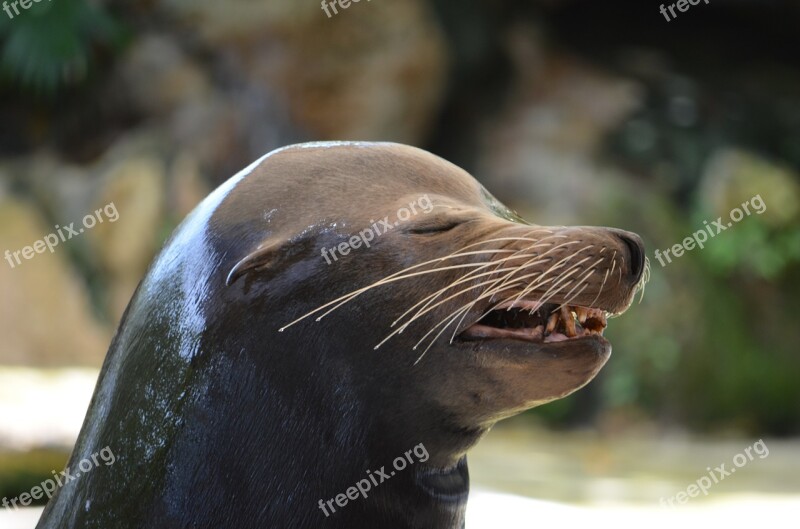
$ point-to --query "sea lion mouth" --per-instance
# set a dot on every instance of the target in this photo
(532, 321)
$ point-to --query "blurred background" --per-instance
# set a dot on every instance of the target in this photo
(569, 111)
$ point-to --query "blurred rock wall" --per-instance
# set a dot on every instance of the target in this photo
(571, 111)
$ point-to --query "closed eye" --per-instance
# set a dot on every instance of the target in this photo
(439, 227)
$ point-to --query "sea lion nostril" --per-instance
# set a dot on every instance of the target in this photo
(635, 252)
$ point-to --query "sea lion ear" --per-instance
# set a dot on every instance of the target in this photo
(274, 254)
(258, 259)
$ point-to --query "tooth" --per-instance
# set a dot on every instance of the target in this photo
(596, 321)
(569, 322)
(579, 328)
(551, 323)
(582, 313)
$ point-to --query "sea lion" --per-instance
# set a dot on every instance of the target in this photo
(255, 382)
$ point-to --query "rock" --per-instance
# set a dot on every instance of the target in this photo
(46, 318)
(133, 188)
(62, 190)
(542, 147)
(159, 76)
(186, 186)
(374, 71)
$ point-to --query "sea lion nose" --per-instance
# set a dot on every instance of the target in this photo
(635, 253)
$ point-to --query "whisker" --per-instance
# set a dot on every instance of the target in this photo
(605, 277)
(529, 263)
(398, 275)
(589, 272)
(465, 307)
(578, 293)
(488, 293)
(471, 275)
(645, 278)
(405, 325)
(561, 263)
(389, 279)
(463, 279)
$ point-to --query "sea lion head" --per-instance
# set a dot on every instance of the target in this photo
(322, 312)
(400, 273)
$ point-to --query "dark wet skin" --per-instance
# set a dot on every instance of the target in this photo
(217, 419)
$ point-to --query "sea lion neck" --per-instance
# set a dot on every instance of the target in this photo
(335, 442)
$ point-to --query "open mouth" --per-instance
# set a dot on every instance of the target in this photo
(533, 322)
